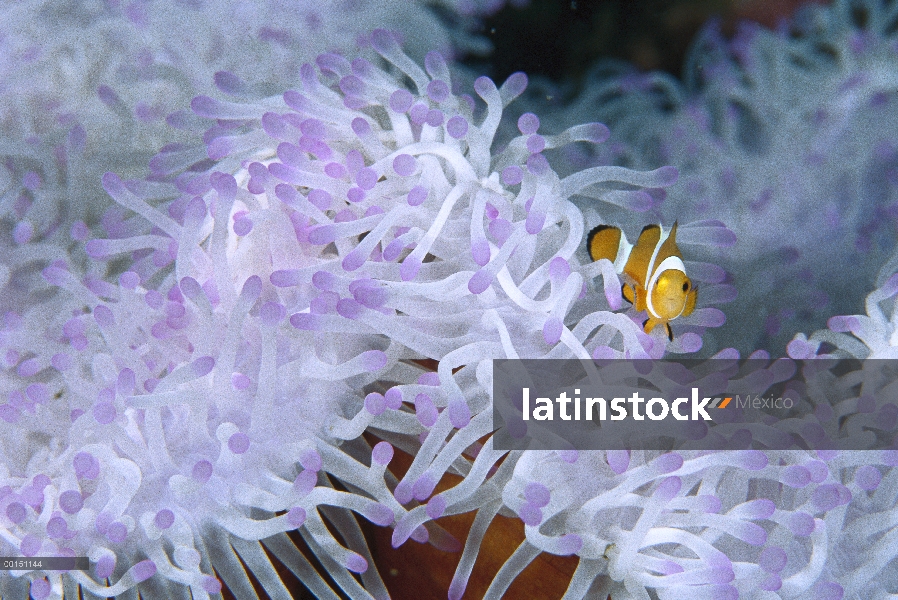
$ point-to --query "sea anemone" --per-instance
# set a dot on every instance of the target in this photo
(872, 335)
(789, 137)
(113, 450)
(745, 524)
(95, 95)
(713, 524)
(294, 266)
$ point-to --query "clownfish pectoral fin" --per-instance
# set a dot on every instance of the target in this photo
(641, 255)
(639, 302)
(627, 292)
(651, 323)
(603, 242)
(691, 299)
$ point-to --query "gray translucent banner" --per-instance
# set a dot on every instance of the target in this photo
(690, 404)
(45, 563)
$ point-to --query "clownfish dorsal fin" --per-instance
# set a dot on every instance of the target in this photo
(669, 246)
(604, 242)
(641, 255)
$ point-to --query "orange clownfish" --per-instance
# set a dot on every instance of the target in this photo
(653, 269)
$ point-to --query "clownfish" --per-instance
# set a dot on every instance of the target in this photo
(654, 273)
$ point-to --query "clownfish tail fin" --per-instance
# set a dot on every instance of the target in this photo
(627, 292)
(603, 242)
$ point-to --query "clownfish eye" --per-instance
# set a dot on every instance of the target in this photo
(685, 286)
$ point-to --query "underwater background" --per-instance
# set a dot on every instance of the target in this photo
(258, 258)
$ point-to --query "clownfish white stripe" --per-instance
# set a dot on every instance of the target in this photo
(671, 263)
(651, 267)
(623, 254)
